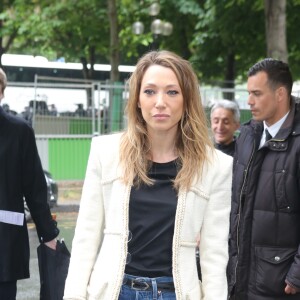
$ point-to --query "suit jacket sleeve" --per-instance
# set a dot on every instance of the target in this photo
(35, 187)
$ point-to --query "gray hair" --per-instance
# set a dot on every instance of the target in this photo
(230, 105)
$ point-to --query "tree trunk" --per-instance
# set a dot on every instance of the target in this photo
(87, 75)
(275, 20)
(229, 77)
(114, 40)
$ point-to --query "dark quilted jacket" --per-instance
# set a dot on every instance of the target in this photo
(265, 218)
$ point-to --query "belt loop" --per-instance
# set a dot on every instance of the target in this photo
(154, 288)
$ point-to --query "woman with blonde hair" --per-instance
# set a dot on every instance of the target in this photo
(148, 194)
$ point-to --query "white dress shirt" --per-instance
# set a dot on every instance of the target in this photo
(273, 129)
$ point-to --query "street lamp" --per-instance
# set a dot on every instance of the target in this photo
(138, 27)
(157, 26)
(154, 9)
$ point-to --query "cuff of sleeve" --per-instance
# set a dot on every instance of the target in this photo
(46, 227)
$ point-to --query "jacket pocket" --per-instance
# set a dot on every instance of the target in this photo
(272, 265)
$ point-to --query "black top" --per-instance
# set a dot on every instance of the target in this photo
(227, 149)
(151, 223)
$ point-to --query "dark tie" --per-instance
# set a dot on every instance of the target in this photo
(268, 135)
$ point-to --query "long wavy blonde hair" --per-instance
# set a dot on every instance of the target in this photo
(192, 141)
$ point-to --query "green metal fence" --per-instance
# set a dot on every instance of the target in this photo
(64, 156)
(68, 157)
(64, 138)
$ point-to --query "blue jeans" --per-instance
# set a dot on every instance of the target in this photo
(141, 292)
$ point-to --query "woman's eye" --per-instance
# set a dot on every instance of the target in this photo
(172, 92)
(149, 92)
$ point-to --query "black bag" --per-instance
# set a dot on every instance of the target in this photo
(53, 267)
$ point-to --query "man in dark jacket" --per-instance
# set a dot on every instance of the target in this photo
(21, 175)
(264, 261)
(225, 121)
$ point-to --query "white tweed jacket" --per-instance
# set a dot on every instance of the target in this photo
(99, 247)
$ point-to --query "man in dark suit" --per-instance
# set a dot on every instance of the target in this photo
(21, 176)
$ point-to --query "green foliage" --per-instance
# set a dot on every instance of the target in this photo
(293, 20)
(73, 29)
(132, 46)
(188, 7)
(207, 32)
(226, 28)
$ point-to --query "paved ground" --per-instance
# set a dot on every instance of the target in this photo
(66, 215)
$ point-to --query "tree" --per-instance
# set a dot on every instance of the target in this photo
(293, 41)
(114, 40)
(225, 42)
(15, 17)
(222, 39)
(78, 37)
(275, 18)
(133, 46)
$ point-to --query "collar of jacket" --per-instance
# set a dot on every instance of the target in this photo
(291, 126)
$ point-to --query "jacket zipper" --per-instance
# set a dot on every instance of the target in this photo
(240, 202)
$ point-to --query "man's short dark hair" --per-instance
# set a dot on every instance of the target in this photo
(278, 73)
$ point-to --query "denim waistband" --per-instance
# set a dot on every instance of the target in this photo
(147, 283)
